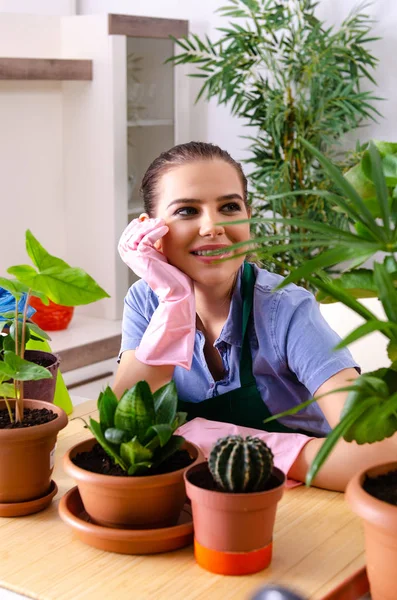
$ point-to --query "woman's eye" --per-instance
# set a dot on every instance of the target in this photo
(231, 207)
(186, 211)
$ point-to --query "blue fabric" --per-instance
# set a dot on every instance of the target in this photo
(7, 304)
(291, 345)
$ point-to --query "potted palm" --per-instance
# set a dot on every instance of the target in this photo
(130, 474)
(368, 195)
(28, 427)
(234, 500)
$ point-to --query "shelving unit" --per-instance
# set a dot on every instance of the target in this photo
(45, 69)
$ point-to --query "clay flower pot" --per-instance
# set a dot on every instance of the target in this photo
(380, 528)
(232, 532)
(51, 317)
(27, 456)
(42, 389)
(149, 501)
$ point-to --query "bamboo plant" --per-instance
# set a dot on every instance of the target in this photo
(50, 278)
(289, 76)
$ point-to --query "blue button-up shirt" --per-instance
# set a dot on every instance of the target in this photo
(292, 348)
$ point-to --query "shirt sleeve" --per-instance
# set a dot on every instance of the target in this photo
(310, 342)
(137, 313)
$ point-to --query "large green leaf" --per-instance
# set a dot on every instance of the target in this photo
(107, 408)
(40, 257)
(66, 286)
(109, 448)
(158, 435)
(7, 390)
(382, 194)
(133, 452)
(135, 411)
(165, 403)
(359, 282)
(22, 370)
(342, 296)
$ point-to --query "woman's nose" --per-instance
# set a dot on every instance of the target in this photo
(209, 226)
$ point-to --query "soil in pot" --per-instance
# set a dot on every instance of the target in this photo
(97, 461)
(31, 417)
(383, 487)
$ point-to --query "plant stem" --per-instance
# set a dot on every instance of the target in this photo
(9, 410)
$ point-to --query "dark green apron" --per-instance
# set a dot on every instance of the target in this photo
(243, 406)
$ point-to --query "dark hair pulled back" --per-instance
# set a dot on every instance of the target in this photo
(181, 155)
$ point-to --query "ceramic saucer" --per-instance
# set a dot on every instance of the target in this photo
(21, 509)
(125, 541)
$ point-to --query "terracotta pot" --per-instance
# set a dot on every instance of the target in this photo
(380, 528)
(43, 389)
(146, 502)
(27, 456)
(51, 317)
(232, 532)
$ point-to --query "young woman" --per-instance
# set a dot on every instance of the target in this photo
(236, 350)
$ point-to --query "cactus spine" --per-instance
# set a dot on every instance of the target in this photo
(240, 465)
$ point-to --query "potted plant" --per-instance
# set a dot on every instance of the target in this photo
(28, 428)
(131, 473)
(256, 66)
(370, 411)
(234, 499)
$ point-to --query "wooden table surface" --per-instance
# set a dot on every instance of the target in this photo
(318, 542)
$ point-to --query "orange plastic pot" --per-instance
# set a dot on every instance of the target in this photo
(51, 317)
(380, 529)
(149, 501)
(233, 533)
(27, 456)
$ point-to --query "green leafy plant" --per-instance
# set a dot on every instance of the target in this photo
(240, 465)
(50, 278)
(370, 411)
(137, 432)
(288, 76)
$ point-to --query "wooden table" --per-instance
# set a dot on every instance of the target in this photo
(318, 542)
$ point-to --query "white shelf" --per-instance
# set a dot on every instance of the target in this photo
(151, 123)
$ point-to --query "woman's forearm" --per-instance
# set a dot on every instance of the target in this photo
(345, 460)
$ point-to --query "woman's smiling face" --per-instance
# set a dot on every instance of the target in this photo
(192, 198)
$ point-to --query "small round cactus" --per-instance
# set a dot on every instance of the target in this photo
(240, 465)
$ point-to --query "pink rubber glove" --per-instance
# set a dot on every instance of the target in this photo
(285, 446)
(169, 337)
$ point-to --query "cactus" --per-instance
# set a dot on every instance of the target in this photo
(240, 465)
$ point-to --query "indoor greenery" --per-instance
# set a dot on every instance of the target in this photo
(289, 76)
(370, 411)
(50, 278)
(137, 431)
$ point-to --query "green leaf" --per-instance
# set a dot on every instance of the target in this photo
(392, 350)
(35, 329)
(65, 286)
(133, 452)
(389, 329)
(39, 256)
(165, 403)
(107, 408)
(114, 436)
(380, 187)
(158, 435)
(342, 296)
(7, 390)
(135, 411)
(387, 291)
(359, 282)
(14, 287)
(22, 370)
(110, 450)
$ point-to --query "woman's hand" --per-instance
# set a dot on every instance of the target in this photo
(169, 337)
(137, 248)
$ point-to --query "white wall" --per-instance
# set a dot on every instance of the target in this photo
(30, 148)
